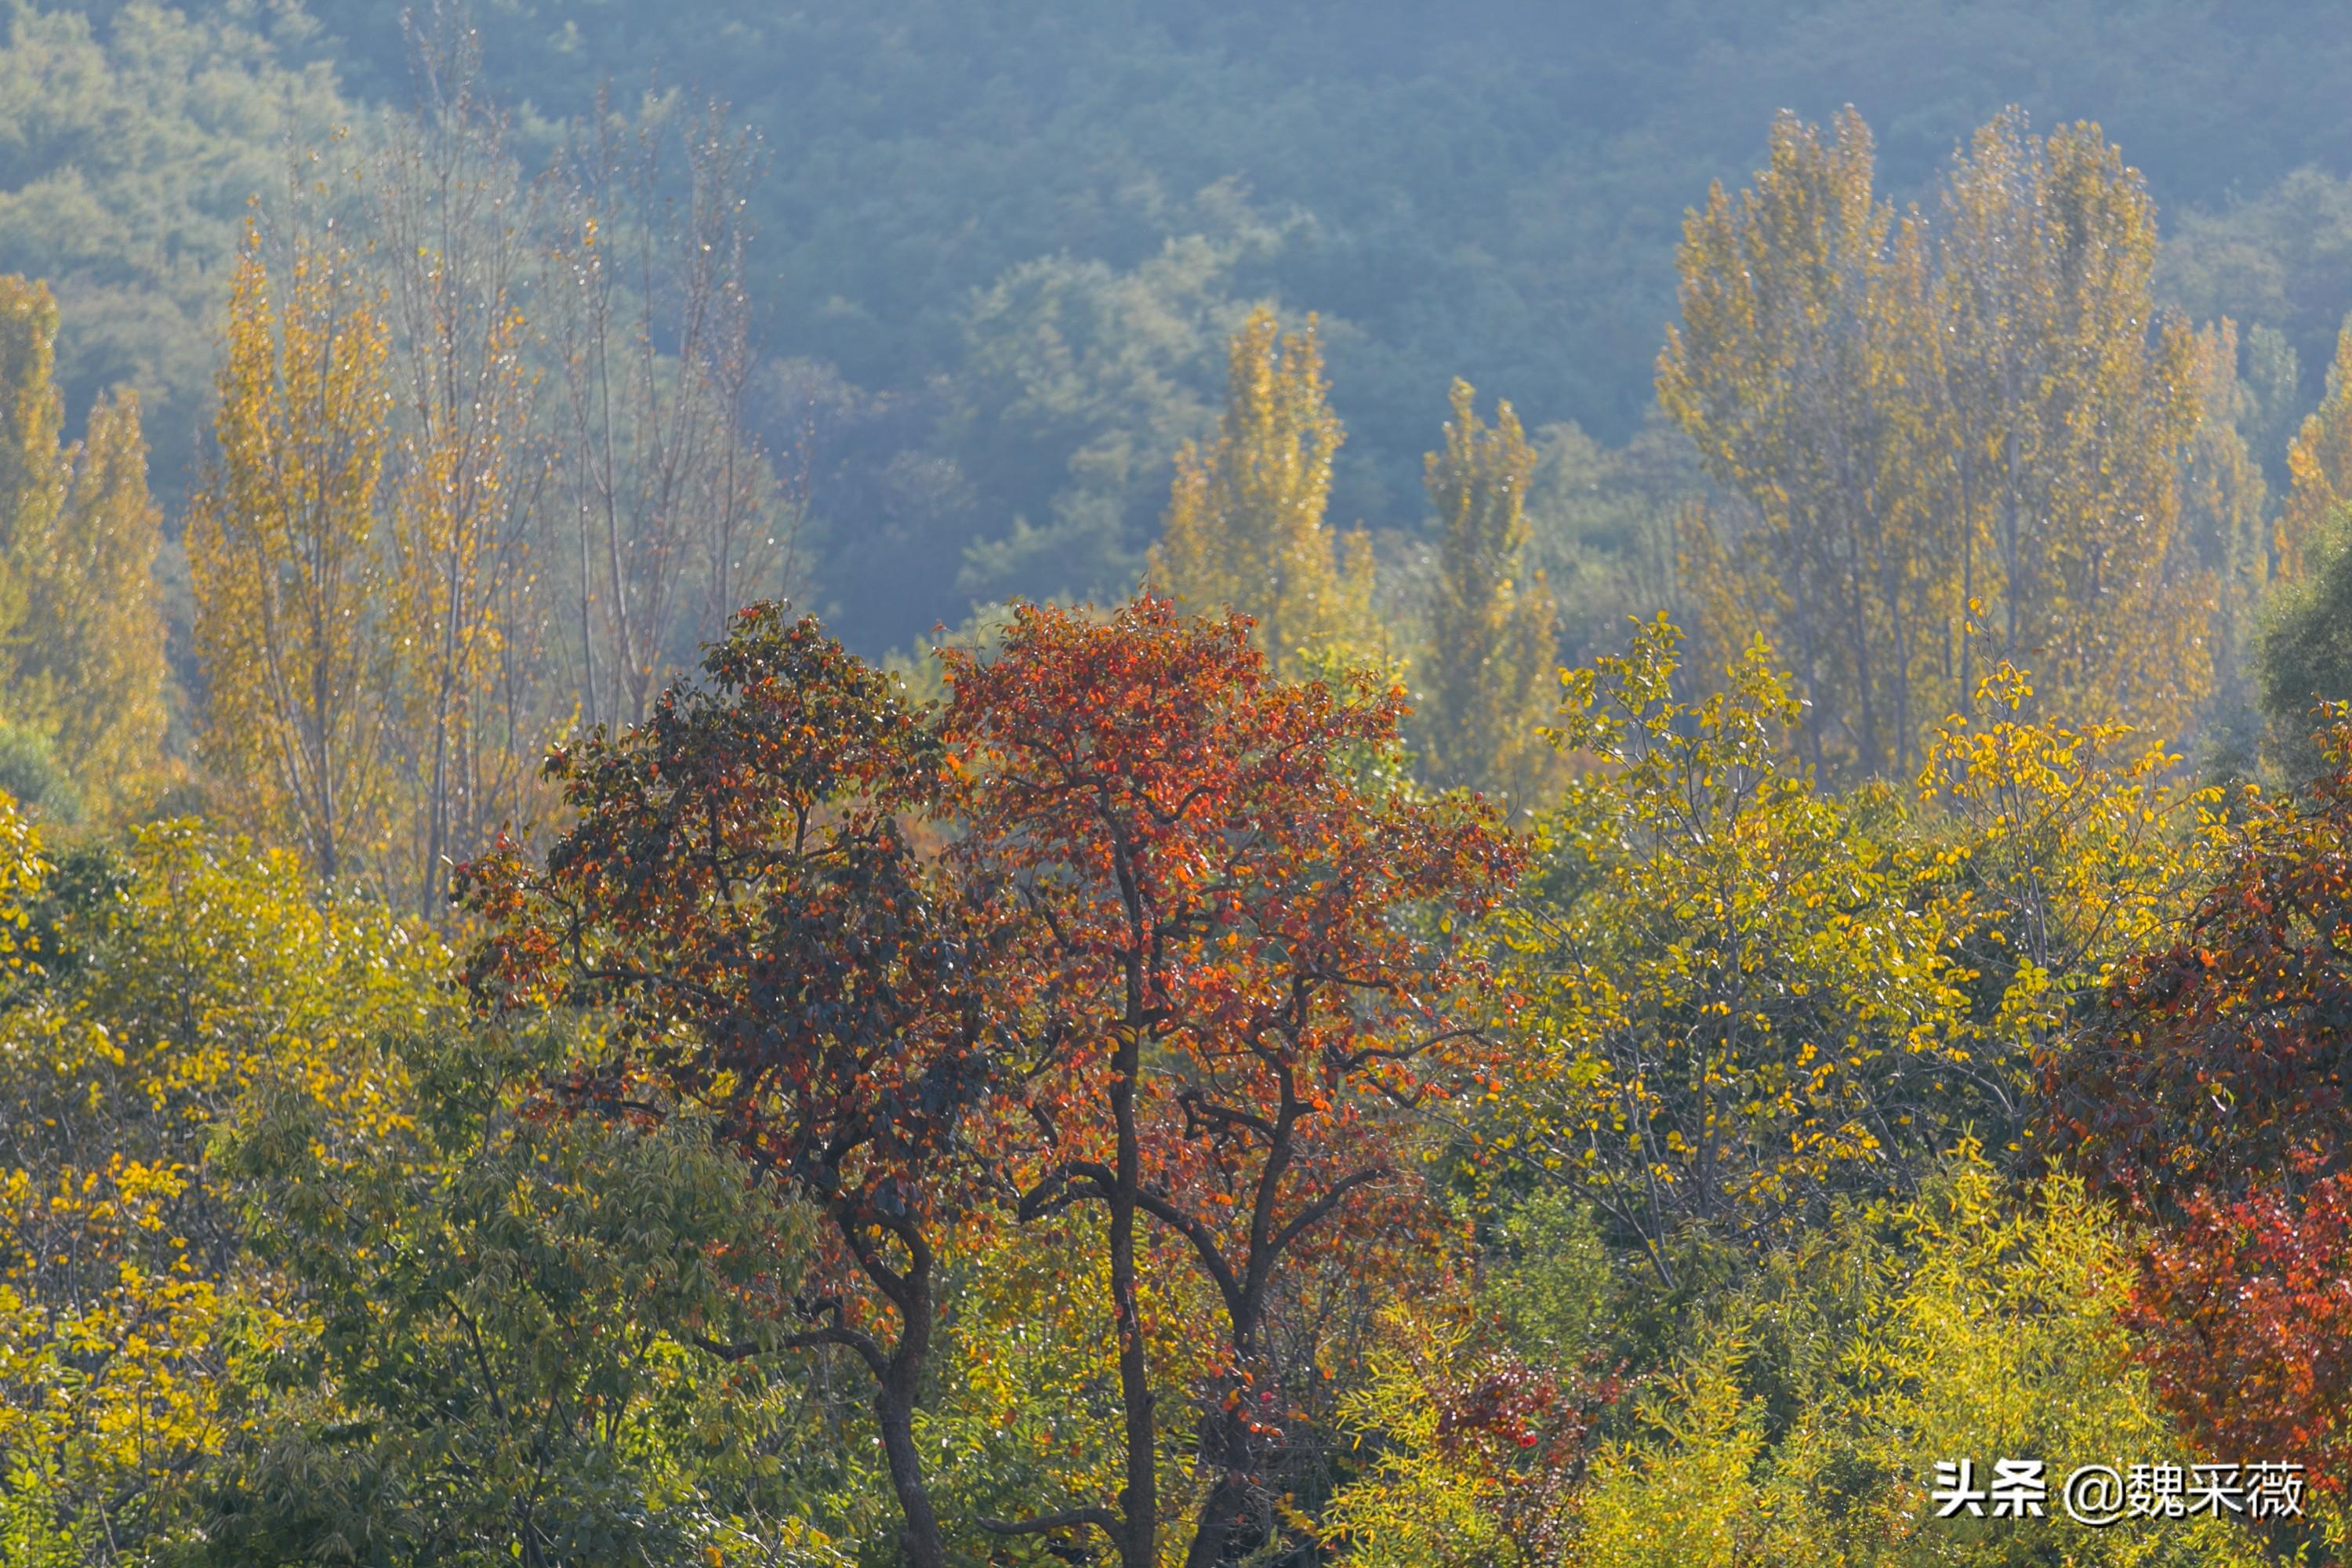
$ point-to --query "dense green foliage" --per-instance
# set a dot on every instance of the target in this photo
(2306, 657)
(130, 144)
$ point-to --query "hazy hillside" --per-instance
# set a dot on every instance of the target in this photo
(999, 244)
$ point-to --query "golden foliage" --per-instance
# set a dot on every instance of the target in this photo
(285, 559)
(1966, 1323)
(1492, 640)
(2225, 509)
(100, 657)
(81, 614)
(2319, 471)
(32, 420)
(1245, 529)
(1919, 423)
(131, 1324)
(1414, 1503)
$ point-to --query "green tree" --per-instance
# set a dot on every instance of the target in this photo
(1602, 524)
(1735, 1006)
(298, 1264)
(1806, 1424)
(179, 976)
(30, 775)
(1079, 383)
(1745, 997)
(1493, 644)
(2305, 649)
(130, 137)
(499, 1360)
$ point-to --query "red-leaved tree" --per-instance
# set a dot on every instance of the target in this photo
(1244, 957)
(741, 895)
(2245, 1313)
(2208, 1092)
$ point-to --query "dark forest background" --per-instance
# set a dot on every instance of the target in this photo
(999, 246)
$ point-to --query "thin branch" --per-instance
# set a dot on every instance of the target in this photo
(1321, 1207)
(1102, 1519)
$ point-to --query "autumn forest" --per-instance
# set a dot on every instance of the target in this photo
(1014, 784)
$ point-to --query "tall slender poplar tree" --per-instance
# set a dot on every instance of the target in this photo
(2319, 469)
(1245, 527)
(1949, 447)
(84, 665)
(1803, 308)
(467, 633)
(285, 556)
(93, 591)
(1492, 639)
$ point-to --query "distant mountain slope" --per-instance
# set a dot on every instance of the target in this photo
(964, 221)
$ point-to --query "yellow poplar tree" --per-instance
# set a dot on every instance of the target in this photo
(283, 554)
(1492, 641)
(32, 475)
(78, 537)
(1802, 339)
(1951, 448)
(2074, 398)
(33, 415)
(1245, 529)
(470, 699)
(92, 591)
(2224, 512)
(2319, 469)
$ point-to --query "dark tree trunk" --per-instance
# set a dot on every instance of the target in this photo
(1138, 1498)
